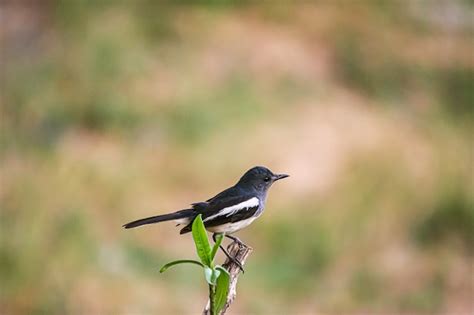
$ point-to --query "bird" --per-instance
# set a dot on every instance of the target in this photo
(227, 212)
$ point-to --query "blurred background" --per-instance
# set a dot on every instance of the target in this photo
(113, 112)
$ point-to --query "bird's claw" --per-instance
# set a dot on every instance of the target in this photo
(238, 263)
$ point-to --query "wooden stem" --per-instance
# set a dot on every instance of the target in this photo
(240, 252)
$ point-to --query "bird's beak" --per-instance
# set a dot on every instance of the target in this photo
(279, 176)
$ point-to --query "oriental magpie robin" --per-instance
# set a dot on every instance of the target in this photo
(229, 211)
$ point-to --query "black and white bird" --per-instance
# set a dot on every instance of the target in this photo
(229, 211)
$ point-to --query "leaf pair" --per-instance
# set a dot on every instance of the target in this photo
(215, 275)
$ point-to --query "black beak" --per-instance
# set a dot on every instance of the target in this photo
(279, 176)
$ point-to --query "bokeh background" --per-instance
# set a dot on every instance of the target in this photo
(112, 112)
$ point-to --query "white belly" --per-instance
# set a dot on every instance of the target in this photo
(232, 227)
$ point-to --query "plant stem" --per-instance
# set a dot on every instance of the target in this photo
(212, 293)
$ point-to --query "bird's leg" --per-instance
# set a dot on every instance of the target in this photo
(235, 239)
(233, 259)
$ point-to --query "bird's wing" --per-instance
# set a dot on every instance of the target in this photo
(236, 211)
(229, 204)
(226, 208)
(229, 192)
(212, 203)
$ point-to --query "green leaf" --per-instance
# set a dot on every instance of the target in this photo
(222, 289)
(211, 275)
(222, 269)
(177, 262)
(215, 248)
(201, 241)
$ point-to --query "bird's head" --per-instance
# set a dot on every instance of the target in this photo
(260, 177)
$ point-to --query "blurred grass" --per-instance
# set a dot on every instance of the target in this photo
(451, 219)
(428, 299)
(112, 112)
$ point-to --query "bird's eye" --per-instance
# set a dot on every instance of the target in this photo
(267, 179)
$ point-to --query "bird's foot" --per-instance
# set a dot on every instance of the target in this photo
(232, 259)
(237, 262)
(236, 239)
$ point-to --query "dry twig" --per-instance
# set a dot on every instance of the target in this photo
(240, 252)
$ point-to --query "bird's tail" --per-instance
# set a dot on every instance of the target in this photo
(182, 214)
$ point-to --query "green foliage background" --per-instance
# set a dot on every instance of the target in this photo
(111, 112)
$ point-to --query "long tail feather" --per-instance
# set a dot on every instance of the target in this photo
(160, 218)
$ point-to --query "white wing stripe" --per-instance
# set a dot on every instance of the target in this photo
(252, 202)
